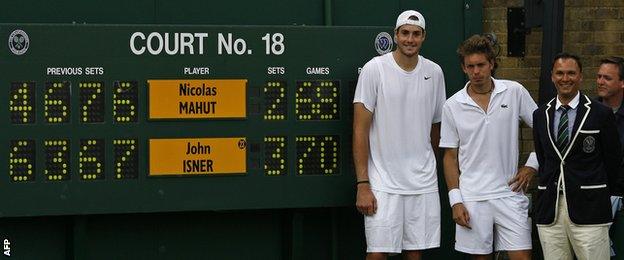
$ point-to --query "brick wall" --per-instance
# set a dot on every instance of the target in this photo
(593, 29)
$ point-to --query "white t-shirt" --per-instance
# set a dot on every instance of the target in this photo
(404, 105)
(488, 143)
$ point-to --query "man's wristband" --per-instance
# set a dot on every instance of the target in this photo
(455, 197)
(360, 182)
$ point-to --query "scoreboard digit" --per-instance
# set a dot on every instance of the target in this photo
(57, 154)
(22, 156)
(21, 103)
(91, 159)
(318, 100)
(126, 158)
(56, 102)
(317, 154)
(276, 155)
(92, 102)
(275, 101)
(125, 101)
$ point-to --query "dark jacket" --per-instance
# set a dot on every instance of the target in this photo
(619, 121)
(589, 167)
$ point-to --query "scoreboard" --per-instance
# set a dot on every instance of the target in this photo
(143, 118)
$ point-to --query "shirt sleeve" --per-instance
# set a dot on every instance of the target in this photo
(449, 137)
(539, 153)
(527, 106)
(532, 161)
(441, 97)
(368, 83)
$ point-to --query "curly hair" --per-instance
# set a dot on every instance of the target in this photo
(478, 44)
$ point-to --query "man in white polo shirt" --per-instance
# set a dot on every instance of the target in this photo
(480, 125)
(397, 109)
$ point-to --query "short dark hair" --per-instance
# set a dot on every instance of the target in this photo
(565, 56)
(617, 61)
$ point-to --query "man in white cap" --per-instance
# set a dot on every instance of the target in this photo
(396, 128)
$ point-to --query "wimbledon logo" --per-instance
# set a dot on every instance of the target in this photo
(383, 43)
(18, 42)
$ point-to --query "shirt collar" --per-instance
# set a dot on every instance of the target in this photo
(498, 88)
(573, 104)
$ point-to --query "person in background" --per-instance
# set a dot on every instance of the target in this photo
(610, 88)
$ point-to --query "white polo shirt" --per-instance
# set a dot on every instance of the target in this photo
(404, 105)
(488, 142)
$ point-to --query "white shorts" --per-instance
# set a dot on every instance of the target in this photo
(403, 222)
(504, 221)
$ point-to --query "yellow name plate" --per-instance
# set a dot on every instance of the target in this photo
(193, 156)
(197, 99)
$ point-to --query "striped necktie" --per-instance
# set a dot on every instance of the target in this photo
(562, 130)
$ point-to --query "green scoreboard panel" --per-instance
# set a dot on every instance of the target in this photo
(118, 119)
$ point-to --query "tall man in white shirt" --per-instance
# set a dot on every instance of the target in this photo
(480, 125)
(397, 109)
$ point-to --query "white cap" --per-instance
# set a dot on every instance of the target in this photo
(410, 17)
